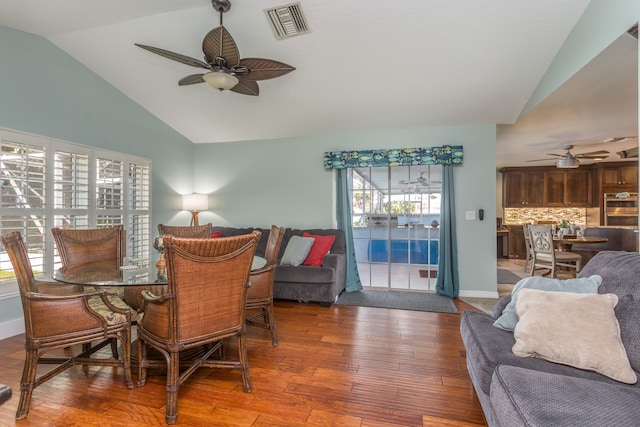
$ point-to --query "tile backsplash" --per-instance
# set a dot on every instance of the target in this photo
(576, 216)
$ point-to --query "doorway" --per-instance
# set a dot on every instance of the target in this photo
(396, 225)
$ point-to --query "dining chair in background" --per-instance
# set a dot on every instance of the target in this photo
(204, 304)
(83, 246)
(197, 231)
(260, 292)
(529, 249)
(546, 256)
(58, 316)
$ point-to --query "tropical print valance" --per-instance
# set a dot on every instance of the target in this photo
(445, 155)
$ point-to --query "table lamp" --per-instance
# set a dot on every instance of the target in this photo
(195, 203)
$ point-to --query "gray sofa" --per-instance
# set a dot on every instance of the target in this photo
(304, 283)
(527, 391)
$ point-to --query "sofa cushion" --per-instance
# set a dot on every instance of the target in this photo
(508, 319)
(304, 274)
(522, 397)
(321, 247)
(579, 330)
(296, 251)
(488, 347)
(620, 273)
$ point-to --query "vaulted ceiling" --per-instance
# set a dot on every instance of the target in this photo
(363, 65)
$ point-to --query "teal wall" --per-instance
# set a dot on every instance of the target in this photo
(602, 22)
(283, 182)
(45, 91)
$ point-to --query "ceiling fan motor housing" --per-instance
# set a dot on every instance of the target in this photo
(568, 163)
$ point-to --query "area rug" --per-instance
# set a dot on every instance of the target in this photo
(506, 276)
(416, 301)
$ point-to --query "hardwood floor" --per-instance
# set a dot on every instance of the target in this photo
(336, 366)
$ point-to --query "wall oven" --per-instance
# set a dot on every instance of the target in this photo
(621, 209)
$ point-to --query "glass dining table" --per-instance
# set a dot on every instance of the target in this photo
(127, 281)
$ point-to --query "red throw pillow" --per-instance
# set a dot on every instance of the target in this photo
(321, 247)
(216, 234)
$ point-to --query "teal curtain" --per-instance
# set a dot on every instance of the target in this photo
(448, 283)
(343, 215)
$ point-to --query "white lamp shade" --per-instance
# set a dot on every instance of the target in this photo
(195, 202)
(220, 80)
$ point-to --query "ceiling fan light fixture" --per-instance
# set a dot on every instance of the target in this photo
(569, 163)
(220, 80)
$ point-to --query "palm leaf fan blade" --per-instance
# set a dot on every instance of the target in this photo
(219, 43)
(191, 79)
(246, 87)
(264, 69)
(175, 56)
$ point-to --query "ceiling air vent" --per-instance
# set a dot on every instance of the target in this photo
(287, 21)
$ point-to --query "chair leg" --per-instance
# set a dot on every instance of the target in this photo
(126, 357)
(172, 387)
(270, 319)
(114, 348)
(142, 360)
(244, 364)
(27, 384)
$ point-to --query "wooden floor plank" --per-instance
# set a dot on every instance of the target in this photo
(335, 366)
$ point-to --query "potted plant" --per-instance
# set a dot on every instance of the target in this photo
(563, 228)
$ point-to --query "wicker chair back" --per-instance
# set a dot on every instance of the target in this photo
(78, 247)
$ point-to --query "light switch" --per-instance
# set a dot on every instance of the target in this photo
(471, 215)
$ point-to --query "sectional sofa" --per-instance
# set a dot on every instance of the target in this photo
(320, 284)
(583, 351)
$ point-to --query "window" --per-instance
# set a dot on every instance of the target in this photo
(47, 183)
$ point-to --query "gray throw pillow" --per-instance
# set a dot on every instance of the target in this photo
(297, 250)
(585, 285)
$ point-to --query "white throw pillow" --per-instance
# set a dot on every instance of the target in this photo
(579, 330)
(297, 250)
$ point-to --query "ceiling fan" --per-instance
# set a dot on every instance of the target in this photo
(226, 70)
(570, 160)
(420, 180)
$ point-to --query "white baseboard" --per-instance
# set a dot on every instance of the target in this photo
(478, 294)
(11, 328)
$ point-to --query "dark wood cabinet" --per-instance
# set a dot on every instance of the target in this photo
(547, 187)
(579, 188)
(568, 188)
(522, 189)
(517, 245)
(619, 178)
(554, 188)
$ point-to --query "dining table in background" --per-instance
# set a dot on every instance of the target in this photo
(566, 243)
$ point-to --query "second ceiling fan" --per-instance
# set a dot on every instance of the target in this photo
(226, 70)
(570, 160)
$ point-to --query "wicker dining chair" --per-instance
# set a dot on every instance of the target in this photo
(198, 231)
(58, 316)
(89, 245)
(204, 304)
(83, 246)
(546, 256)
(260, 292)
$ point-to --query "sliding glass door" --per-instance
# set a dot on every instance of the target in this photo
(396, 216)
